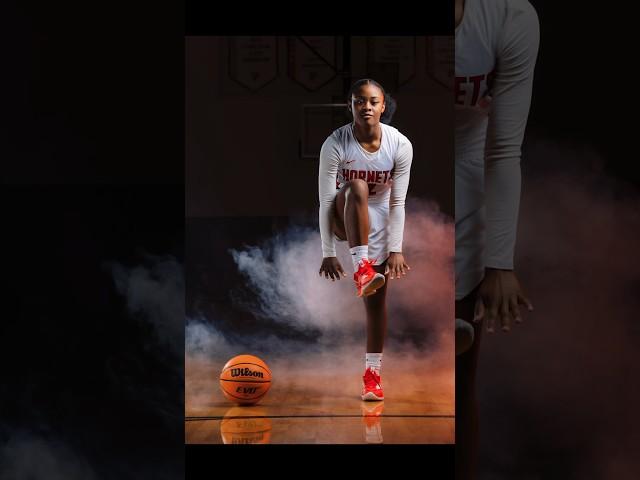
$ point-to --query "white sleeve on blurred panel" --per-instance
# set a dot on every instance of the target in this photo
(511, 92)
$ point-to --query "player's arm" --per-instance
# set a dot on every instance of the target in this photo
(399, 187)
(500, 293)
(327, 173)
(511, 91)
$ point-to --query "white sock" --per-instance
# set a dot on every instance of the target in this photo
(373, 361)
(358, 254)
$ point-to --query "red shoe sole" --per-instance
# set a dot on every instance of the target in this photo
(371, 397)
(374, 285)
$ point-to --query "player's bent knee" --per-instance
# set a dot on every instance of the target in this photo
(357, 189)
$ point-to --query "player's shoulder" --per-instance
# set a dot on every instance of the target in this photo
(521, 23)
(341, 132)
(520, 5)
(502, 10)
(517, 8)
(394, 133)
(337, 138)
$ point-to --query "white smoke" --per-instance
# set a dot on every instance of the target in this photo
(155, 294)
(284, 275)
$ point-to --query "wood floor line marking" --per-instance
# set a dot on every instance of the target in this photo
(217, 417)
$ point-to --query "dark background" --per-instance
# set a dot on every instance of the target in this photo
(582, 93)
(243, 147)
(92, 173)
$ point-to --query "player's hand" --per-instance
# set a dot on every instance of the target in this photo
(331, 268)
(499, 298)
(397, 266)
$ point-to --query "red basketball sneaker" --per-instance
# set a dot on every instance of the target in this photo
(367, 279)
(372, 390)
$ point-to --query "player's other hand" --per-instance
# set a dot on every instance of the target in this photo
(499, 299)
(396, 265)
(331, 268)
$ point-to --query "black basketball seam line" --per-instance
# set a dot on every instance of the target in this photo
(259, 433)
(246, 399)
(242, 398)
(244, 381)
(246, 363)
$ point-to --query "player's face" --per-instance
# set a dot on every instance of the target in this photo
(367, 104)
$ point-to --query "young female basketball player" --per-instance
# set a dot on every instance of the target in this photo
(496, 44)
(363, 181)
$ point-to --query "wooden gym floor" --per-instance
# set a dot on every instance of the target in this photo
(306, 404)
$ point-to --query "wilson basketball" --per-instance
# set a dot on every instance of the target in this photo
(245, 379)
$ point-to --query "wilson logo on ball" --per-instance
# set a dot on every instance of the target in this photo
(245, 372)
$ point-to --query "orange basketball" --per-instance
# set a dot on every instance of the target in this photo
(245, 379)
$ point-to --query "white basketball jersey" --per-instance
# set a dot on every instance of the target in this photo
(386, 171)
(374, 168)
